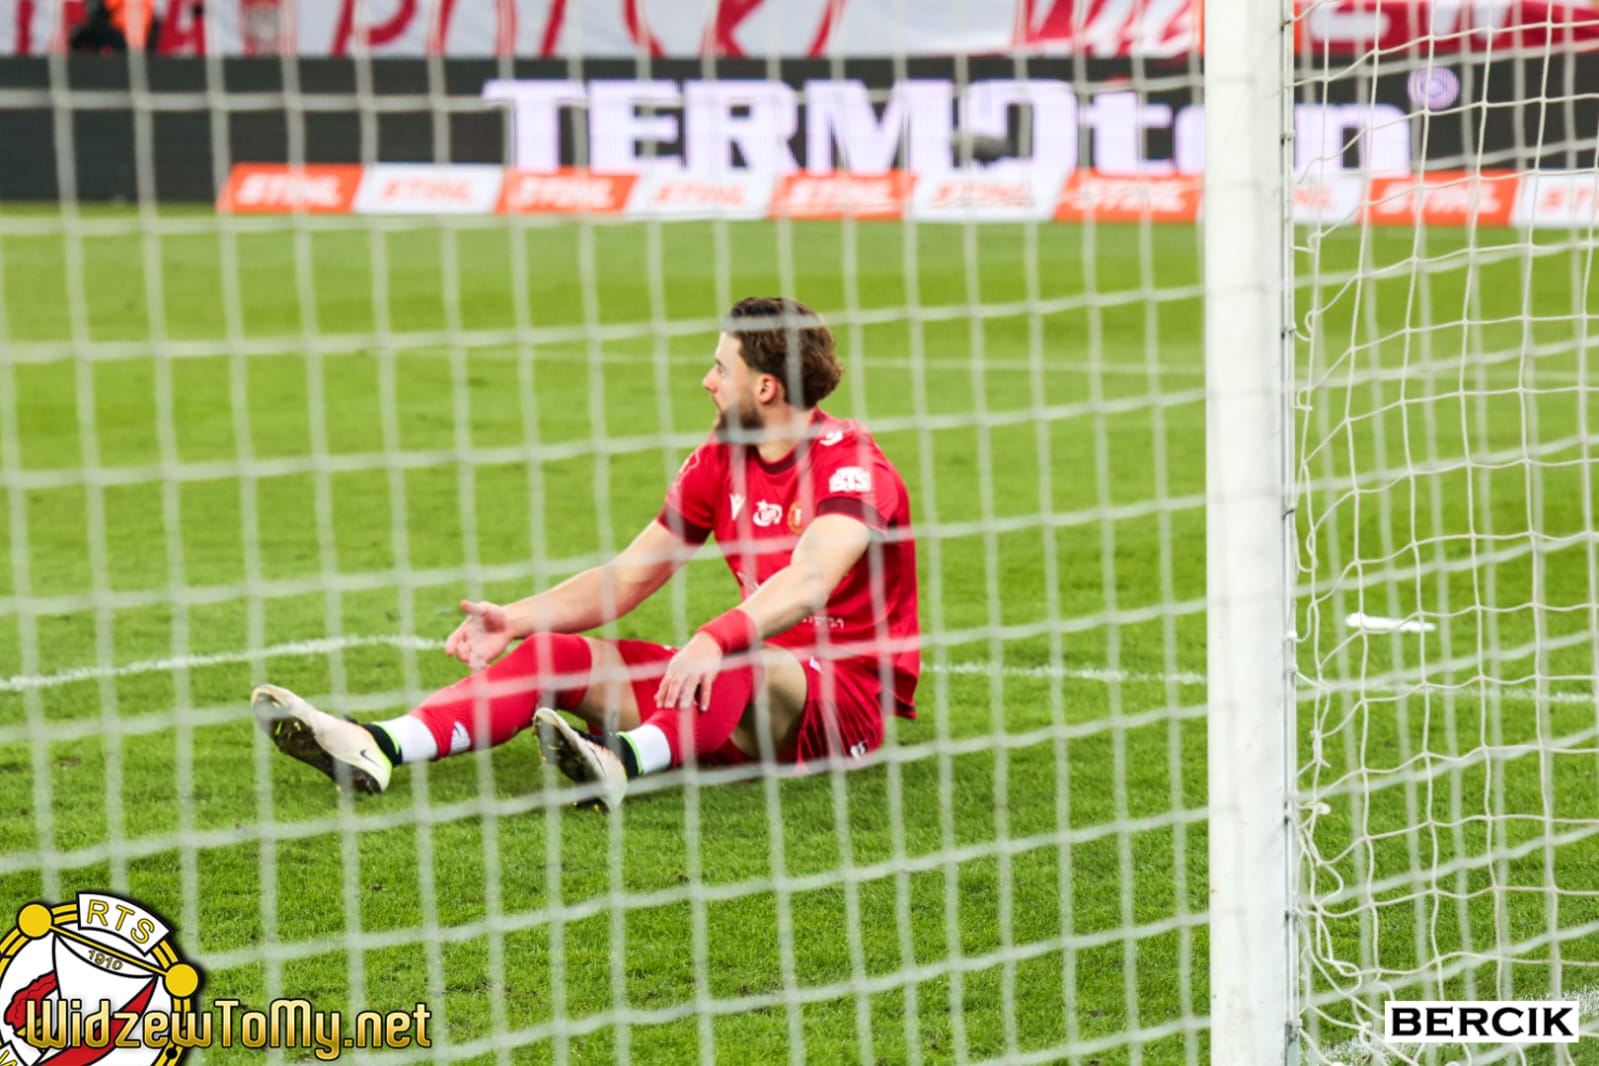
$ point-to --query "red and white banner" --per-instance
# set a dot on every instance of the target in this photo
(256, 188)
(1117, 198)
(654, 28)
(429, 189)
(798, 28)
(1557, 201)
(840, 194)
(570, 192)
(1442, 198)
(664, 193)
(998, 194)
(1425, 27)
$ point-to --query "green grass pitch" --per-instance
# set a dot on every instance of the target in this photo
(325, 434)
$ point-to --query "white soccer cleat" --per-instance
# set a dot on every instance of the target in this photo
(338, 747)
(584, 760)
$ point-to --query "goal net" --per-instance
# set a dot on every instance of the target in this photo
(321, 318)
(1444, 470)
(302, 341)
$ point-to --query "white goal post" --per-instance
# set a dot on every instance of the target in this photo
(1402, 569)
(1248, 533)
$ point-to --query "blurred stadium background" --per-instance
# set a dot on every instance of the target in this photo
(315, 318)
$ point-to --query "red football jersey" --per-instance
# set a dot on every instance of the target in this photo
(757, 511)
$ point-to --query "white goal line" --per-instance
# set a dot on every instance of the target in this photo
(1519, 690)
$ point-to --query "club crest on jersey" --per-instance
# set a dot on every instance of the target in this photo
(767, 514)
(850, 479)
(107, 962)
(737, 501)
(796, 518)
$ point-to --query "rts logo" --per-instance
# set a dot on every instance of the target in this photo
(850, 479)
(92, 982)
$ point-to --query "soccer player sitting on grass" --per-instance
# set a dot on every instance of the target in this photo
(815, 525)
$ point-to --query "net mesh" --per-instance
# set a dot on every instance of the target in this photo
(237, 449)
(1445, 485)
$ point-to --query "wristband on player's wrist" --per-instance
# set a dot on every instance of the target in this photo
(732, 630)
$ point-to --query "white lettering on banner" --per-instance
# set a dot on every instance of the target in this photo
(1052, 105)
(1102, 197)
(1415, 197)
(291, 190)
(618, 134)
(850, 479)
(1119, 121)
(1188, 140)
(535, 108)
(570, 193)
(706, 127)
(837, 195)
(1380, 132)
(713, 126)
(844, 132)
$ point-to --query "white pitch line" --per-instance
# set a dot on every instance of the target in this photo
(1099, 674)
(1363, 1051)
(26, 682)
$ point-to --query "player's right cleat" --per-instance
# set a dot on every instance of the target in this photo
(340, 748)
(585, 761)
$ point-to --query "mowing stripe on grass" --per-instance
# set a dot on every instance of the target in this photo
(1520, 692)
(24, 682)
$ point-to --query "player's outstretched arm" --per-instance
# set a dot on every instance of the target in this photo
(582, 602)
(829, 547)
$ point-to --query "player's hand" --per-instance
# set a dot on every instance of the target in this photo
(690, 674)
(482, 637)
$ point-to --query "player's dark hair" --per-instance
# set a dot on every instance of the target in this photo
(772, 330)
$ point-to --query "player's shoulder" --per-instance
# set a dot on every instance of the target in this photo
(846, 442)
(846, 459)
(709, 456)
(702, 470)
(840, 437)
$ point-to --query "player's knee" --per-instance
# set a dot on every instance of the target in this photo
(558, 664)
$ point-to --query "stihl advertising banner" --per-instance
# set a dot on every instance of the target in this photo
(1440, 198)
(724, 139)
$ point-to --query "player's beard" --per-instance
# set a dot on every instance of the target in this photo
(746, 420)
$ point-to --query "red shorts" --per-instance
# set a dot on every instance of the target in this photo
(843, 717)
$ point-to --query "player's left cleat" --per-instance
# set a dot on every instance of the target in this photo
(338, 747)
(585, 761)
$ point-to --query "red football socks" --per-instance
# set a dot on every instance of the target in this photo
(704, 732)
(496, 703)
